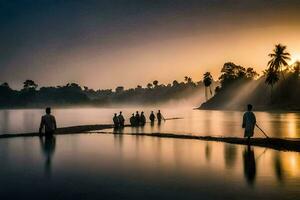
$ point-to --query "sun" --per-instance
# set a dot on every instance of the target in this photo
(294, 58)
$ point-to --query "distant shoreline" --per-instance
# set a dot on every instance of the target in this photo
(296, 110)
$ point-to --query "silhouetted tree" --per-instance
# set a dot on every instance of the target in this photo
(149, 85)
(187, 79)
(155, 83)
(251, 74)
(279, 59)
(175, 83)
(207, 80)
(5, 84)
(119, 89)
(296, 68)
(232, 72)
(29, 84)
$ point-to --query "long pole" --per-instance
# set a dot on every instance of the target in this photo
(262, 131)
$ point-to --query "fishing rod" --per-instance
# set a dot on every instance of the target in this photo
(262, 131)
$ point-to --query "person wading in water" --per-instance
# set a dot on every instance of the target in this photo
(159, 117)
(142, 119)
(116, 121)
(132, 120)
(249, 121)
(121, 119)
(48, 121)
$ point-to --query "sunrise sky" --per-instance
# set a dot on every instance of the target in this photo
(104, 44)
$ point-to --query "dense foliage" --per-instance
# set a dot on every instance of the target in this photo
(73, 94)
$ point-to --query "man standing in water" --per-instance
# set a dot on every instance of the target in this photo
(132, 120)
(137, 118)
(48, 121)
(121, 119)
(116, 121)
(142, 119)
(249, 122)
(159, 117)
(152, 117)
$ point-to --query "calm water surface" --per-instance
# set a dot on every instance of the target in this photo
(195, 122)
(99, 166)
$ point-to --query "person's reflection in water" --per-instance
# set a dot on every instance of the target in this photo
(48, 149)
(249, 165)
(207, 152)
(278, 167)
(118, 138)
(118, 130)
(158, 126)
(230, 155)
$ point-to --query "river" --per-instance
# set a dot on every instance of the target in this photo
(193, 122)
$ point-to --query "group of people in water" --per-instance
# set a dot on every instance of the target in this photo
(136, 119)
(48, 122)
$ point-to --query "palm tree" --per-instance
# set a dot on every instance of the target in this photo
(186, 78)
(279, 59)
(207, 80)
(272, 77)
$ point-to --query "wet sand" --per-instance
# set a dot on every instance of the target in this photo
(282, 144)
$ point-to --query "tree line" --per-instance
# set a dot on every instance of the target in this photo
(277, 88)
(74, 94)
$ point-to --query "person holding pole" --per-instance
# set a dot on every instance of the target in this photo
(249, 122)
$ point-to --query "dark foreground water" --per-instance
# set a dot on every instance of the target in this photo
(98, 166)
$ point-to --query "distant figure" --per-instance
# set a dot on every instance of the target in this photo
(48, 121)
(132, 120)
(152, 117)
(116, 120)
(159, 116)
(142, 119)
(121, 119)
(137, 118)
(249, 122)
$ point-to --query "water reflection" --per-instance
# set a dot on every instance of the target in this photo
(208, 151)
(278, 167)
(47, 145)
(195, 122)
(249, 165)
(230, 154)
(170, 167)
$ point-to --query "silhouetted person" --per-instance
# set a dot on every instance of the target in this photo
(152, 117)
(142, 119)
(249, 122)
(48, 121)
(116, 121)
(249, 165)
(132, 120)
(121, 119)
(159, 116)
(48, 149)
(137, 118)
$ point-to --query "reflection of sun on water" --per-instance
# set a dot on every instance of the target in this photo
(291, 125)
(291, 164)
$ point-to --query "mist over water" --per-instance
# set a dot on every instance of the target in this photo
(194, 122)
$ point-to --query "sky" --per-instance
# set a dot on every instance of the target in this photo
(110, 43)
